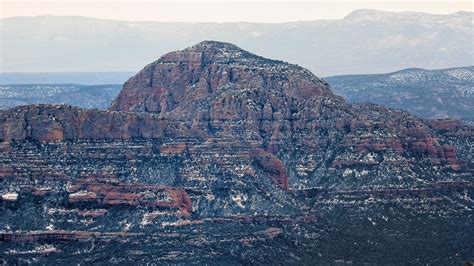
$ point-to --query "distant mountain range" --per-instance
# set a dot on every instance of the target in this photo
(84, 78)
(365, 41)
(427, 93)
(92, 96)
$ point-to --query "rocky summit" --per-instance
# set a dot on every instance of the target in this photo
(213, 154)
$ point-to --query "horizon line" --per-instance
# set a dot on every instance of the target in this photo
(238, 21)
(330, 76)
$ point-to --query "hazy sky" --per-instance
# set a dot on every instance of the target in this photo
(219, 11)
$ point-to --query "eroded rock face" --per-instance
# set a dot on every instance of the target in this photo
(107, 190)
(209, 69)
(49, 123)
(213, 136)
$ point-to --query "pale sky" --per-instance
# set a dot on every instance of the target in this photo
(220, 11)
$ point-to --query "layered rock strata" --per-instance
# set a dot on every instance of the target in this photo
(215, 137)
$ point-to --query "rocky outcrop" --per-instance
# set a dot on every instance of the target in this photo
(107, 190)
(273, 167)
(206, 69)
(50, 123)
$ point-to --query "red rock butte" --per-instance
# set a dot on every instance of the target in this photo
(278, 118)
(212, 154)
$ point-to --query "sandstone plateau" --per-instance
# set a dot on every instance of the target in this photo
(212, 154)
